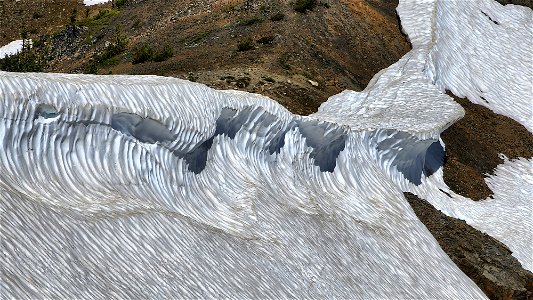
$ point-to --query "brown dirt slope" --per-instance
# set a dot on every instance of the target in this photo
(298, 59)
(36, 17)
(484, 259)
(473, 145)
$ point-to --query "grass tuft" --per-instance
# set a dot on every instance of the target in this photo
(302, 6)
(245, 45)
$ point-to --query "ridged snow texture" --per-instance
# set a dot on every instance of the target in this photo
(481, 50)
(149, 186)
(506, 216)
(495, 65)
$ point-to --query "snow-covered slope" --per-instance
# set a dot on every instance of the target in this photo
(506, 216)
(481, 50)
(494, 66)
(457, 47)
(144, 186)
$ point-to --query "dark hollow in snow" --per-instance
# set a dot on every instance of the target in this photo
(327, 141)
(197, 158)
(411, 156)
(253, 119)
(46, 111)
(145, 130)
(484, 259)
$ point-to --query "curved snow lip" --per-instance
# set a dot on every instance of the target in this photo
(410, 156)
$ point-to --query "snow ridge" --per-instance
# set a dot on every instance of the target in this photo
(208, 192)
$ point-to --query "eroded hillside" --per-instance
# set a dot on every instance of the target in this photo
(296, 55)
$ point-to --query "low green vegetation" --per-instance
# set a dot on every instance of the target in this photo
(191, 76)
(91, 68)
(73, 16)
(106, 14)
(197, 38)
(26, 60)
(266, 40)
(163, 54)
(31, 58)
(108, 57)
(141, 54)
(284, 61)
(232, 8)
(100, 20)
(245, 45)
(37, 15)
(118, 3)
(279, 16)
(302, 6)
(269, 79)
(250, 21)
(136, 24)
(145, 53)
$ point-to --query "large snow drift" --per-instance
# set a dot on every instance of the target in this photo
(457, 46)
(143, 186)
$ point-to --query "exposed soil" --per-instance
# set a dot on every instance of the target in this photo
(527, 3)
(485, 260)
(33, 17)
(473, 148)
(298, 59)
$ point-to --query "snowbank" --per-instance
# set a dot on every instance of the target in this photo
(481, 50)
(138, 186)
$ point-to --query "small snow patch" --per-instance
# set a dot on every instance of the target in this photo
(12, 48)
(94, 2)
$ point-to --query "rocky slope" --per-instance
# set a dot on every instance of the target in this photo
(34, 18)
(476, 144)
(267, 47)
(485, 260)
